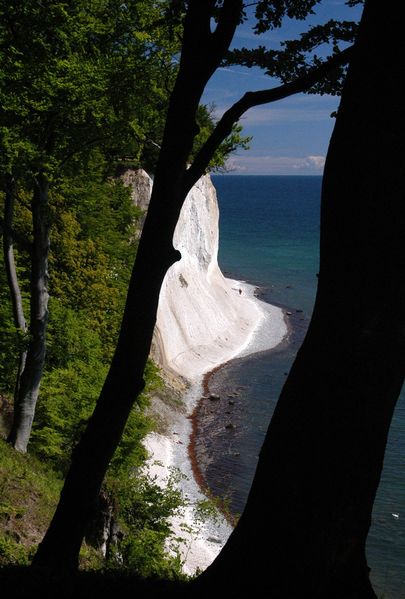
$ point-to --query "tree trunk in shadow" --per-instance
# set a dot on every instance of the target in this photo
(60, 548)
(30, 377)
(201, 55)
(304, 529)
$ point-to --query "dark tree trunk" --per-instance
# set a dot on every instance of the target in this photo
(319, 468)
(30, 378)
(11, 273)
(201, 54)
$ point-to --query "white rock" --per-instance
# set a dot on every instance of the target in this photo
(203, 318)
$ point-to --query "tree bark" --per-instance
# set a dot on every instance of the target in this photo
(201, 55)
(30, 378)
(303, 532)
(11, 274)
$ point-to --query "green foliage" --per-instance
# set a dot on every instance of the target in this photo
(145, 504)
(145, 554)
(93, 243)
(144, 512)
(235, 141)
(29, 492)
(76, 75)
(93, 246)
(206, 509)
(71, 384)
(13, 553)
(90, 558)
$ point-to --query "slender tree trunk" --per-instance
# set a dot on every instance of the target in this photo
(11, 273)
(30, 379)
(304, 529)
(201, 54)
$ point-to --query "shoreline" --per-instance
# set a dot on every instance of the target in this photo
(205, 395)
(195, 466)
(175, 450)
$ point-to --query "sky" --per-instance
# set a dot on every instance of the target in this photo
(290, 137)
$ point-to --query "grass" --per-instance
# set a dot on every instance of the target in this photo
(29, 492)
(30, 488)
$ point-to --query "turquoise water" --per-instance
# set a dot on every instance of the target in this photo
(269, 234)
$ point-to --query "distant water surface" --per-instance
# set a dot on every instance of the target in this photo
(269, 236)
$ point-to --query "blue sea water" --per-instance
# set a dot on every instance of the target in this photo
(269, 236)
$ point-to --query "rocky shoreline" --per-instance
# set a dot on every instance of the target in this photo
(175, 449)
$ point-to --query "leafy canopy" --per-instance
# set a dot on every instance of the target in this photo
(77, 74)
(294, 58)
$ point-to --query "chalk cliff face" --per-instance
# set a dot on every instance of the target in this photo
(203, 318)
(140, 185)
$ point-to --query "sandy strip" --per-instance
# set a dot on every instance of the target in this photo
(202, 541)
(270, 329)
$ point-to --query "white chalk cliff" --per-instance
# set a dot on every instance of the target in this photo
(203, 318)
(203, 321)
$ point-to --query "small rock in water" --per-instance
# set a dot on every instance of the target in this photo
(214, 397)
(288, 313)
(229, 425)
(231, 402)
(299, 311)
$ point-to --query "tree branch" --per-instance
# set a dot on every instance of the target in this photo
(229, 18)
(202, 52)
(203, 49)
(250, 99)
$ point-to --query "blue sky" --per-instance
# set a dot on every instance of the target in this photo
(290, 137)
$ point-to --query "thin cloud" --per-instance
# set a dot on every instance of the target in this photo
(302, 108)
(276, 165)
(246, 73)
(316, 162)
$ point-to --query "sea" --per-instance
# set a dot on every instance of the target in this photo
(269, 237)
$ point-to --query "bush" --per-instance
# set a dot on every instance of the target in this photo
(13, 553)
(145, 510)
